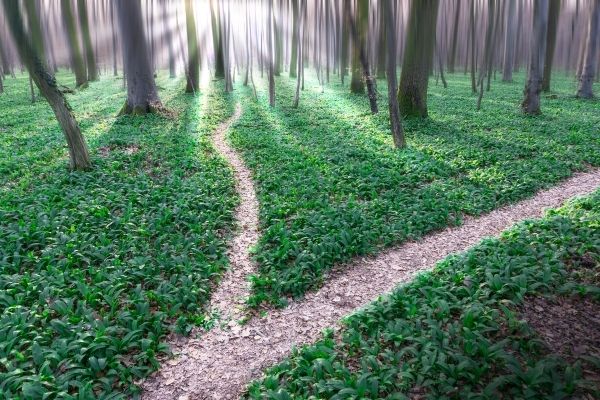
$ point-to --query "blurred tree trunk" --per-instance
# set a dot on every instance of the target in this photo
(390, 32)
(473, 46)
(295, 34)
(114, 37)
(381, 50)
(299, 48)
(270, 55)
(92, 72)
(362, 16)
(418, 58)
(533, 87)
(553, 14)
(452, 54)
(278, 42)
(193, 53)
(509, 42)
(142, 96)
(215, 18)
(344, 47)
(169, 40)
(586, 79)
(73, 44)
(78, 152)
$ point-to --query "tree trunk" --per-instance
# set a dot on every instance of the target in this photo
(553, 13)
(142, 96)
(114, 37)
(509, 42)
(295, 34)
(390, 28)
(270, 55)
(452, 55)
(298, 57)
(169, 40)
(215, 18)
(381, 49)
(362, 16)
(193, 53)
(73, 44)
(344, 47)
(78, 152)
(586, 80)
(472, 35)
(533, 87)
(92, 71)
(418, 58)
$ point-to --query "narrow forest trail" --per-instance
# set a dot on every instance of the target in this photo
(219, 364)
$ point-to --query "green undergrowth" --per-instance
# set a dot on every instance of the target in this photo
(97, 267)
(455, 333)
(331, 186)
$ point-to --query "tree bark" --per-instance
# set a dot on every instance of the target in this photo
(418, 58)
(553, 13)
(92, 71)
(533, 87)
(270, 55)
(509, 42)
(295, 34)
(215, 18)
(344, 47)
(169, 40)
(381, 49)
(452, 54)
(298, 57)
(193, 53)
(395, 122)
(362, 16)
(142, 96)
(472, 35)
(586, 79)
(73, 44)
(78, 152)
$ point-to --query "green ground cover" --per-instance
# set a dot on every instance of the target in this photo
(332, 187)
(456, 333)
(97, 267)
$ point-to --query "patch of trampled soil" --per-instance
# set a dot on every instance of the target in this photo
(569, 326)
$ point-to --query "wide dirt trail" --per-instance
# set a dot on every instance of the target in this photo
(220, 363)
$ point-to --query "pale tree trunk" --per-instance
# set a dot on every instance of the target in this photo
(418, 58)
(270, 55)
(533, 87)
(193, 54)
(142, 96)
(473, 47)
(78, 152)
(390, 28)
(87, 40)
(586, 80)
(509, 42)
(295, 35)
(344, 47)
(73, 44)
(300, 26)
(169, 40)
(114, 37)
(381, 48)
(452, 54)
(553, 13)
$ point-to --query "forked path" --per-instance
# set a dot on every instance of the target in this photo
(219, 364)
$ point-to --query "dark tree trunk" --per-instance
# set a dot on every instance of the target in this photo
(390, 28)
(533, 87)
(142, 96)
(344, 48)
(452, 54)
(92, 71)
(295, 34)
(193, 53)
(418, 58)
(362, 16)
(586, 80)
(553, 14)
(215, 18)
(78, 152)
(73, 44)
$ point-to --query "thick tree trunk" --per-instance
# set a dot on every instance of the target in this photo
(553, 13)
(295, 34)
(509, 42)
(533, 87)
(193, 53)
(452, 54)
(396, 123)
(78, 152)
(418, 58)
(142, 96)
(87, 40)
(586, 79)
(362, 16)
(73, 43)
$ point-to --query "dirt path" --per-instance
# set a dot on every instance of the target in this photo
(221, 363)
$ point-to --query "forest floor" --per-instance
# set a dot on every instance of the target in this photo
(101, 269)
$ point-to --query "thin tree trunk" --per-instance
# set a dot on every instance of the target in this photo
(553, 14)
(295, 34)
(472, 34)
(193, 53)
(114, 37)
(452, 55)
(396, 123)
(381, 49)
(484, 71)
(78, 152)
(586, 79)
(87, 40)
(215, 17)
(533, 87)
(509, 42)
(344, 48)
(299, 56)
(73, 44)
(270, 51)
